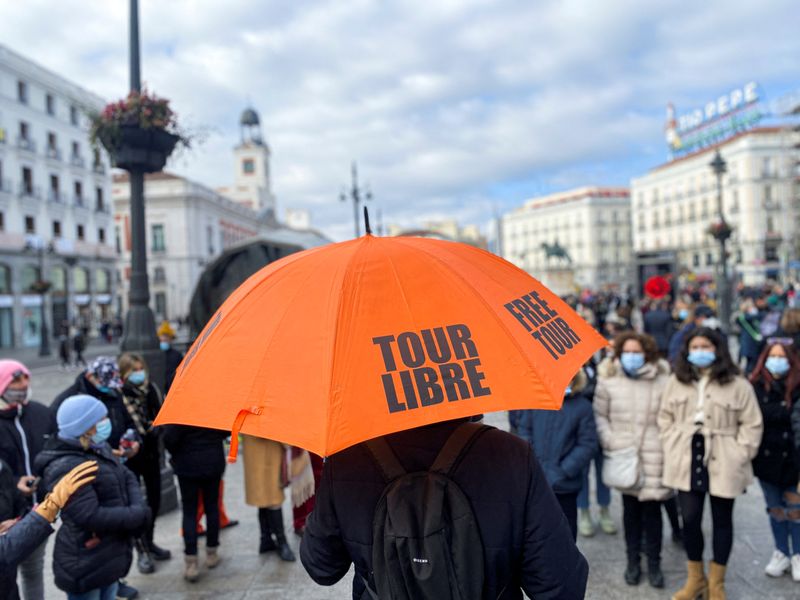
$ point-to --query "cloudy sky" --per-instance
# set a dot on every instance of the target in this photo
(452, 108)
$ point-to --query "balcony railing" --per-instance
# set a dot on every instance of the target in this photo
(102, 208)
(53, 153)
(56, 197)
(99, 168)
(29, 191)
(80, 202)
(26, 144)
(76, 160)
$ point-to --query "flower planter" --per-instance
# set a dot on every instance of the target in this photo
(141, 149)
(720, 231)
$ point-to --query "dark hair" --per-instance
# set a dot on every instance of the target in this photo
(723, 370)
(648, 345)
(761, 373)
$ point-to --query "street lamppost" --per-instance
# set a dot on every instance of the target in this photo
(356, 194)
(721, 231)
(41, 287)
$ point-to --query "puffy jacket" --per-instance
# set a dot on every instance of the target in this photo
(626, 411)
(564, 441)
(117, 413)
(23, 433)
(15, 546)
(775, 462)
(195, 451)
(93, 546)
(527, 542)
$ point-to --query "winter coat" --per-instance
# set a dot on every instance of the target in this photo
(150, 451)
(263, 463)
(527, 542)
(564, 441)
(93, 546)
(749, 346)
(195, 452)
(732, 430)
(15, 546)
(23, 433)
(626, 410)
(13, 503)
(776, 462)
(117, 414)
(172, 359)
(677, 340)
(658, 323)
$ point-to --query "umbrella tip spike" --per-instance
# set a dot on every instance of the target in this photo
(367, 228)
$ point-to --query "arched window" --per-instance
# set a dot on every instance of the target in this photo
(102, 281)
(30, 275)
(58, 279)
(5, 279)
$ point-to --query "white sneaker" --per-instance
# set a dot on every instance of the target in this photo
(796, 567)
(780, 563)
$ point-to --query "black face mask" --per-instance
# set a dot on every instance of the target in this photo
(16, 396)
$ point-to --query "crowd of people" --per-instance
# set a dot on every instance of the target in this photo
(665, 415)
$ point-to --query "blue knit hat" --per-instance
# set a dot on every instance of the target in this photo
(77, 415)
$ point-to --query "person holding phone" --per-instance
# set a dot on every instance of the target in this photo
(94, 546)
(25, 425)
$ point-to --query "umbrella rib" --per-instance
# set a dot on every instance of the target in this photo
(483, 300)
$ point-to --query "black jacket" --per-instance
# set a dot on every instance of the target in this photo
(172, 359)
(23, 433)
(13, 503)
(196, 451)
(659, 324)
(15, 546)
(527, 542)
(120, 421)
(775, 462)
(151, 445)
(105, 515)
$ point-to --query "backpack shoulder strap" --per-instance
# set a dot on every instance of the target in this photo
(385, 458)
(457, 446)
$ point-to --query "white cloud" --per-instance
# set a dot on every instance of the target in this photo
(445, 105)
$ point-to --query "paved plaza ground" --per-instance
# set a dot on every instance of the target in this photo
(244, 574)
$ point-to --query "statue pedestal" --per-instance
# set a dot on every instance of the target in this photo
(560, 280)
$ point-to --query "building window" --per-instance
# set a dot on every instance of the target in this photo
(735, 201)
(29, 276)
(22, 92)
(24, 131)
(2, 221)
(80, 279)
(248, 166)
(161, 305)
(50, 104)
(158, 242)
(102, 280)
(771, 253)
(709, 259)
(101, 235)
(98, 193)
(770, 225)
(767, 167)
(767, 196)
(5, 279)
(117, 240)
(27, 181)
(78, 193)
(73, 115)
(80, 233)
(76, 149)
(57, 229)
(54, 188)
(739, 258)
(159, 275)
(210, 239)
(695, 260)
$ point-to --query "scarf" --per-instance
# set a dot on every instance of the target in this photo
(301, 475)
(135, 405)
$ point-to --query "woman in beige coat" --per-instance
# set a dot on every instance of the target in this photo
(264, 480)
(626, 404)
(711, 429)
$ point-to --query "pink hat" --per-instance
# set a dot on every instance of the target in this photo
(10, 370)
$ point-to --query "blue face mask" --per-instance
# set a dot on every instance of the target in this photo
(632, 361)
(137, 377)
(104, 389)
(103, 431)
(164, 346)
(683, 314)
(702, 358)
(568, 391)
(778, 366)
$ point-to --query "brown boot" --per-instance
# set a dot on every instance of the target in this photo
(212, 558)
(191, 572)
(696, 585)
(716, 582)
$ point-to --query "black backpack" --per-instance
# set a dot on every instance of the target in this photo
(425, 540)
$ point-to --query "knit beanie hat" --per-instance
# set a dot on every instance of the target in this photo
(77, 414)
(9, 370)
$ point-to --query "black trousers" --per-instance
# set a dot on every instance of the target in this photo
(149, 470)
(642, 517)
(722, 525)
(191, 488)
(569, 505)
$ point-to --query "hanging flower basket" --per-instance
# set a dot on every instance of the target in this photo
(139, 132)
(720, 231)
(40, 286)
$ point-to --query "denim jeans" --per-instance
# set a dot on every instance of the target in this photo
(602, 491)
(107, 593)
(783, 528)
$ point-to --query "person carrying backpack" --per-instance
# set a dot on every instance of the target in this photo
(403, 490)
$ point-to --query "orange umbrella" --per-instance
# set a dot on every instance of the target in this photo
(339, 344)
